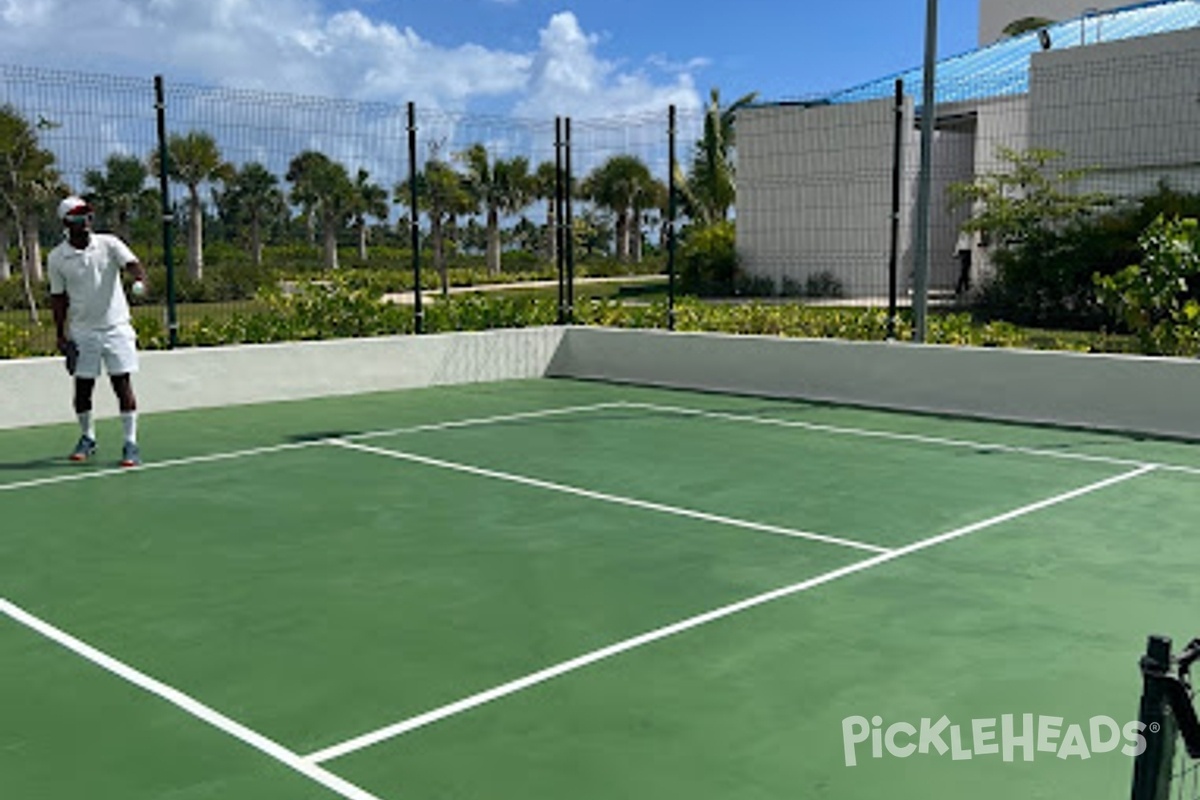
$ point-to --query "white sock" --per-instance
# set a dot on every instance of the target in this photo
(129, 422)
(87, 425)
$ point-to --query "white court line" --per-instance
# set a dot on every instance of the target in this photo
(153, 465)
(194, 707)
(512, 687)
(180, 462)
(607, 498)
(442, 426)
(914, 437)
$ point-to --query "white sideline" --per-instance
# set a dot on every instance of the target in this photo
(186, 703)
(607, 498)
(910, 437)
(475, 700)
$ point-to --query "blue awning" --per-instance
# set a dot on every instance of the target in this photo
(1003, 68)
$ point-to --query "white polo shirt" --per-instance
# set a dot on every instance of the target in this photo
(91, 279)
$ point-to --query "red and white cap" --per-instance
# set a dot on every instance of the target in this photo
(73, 205)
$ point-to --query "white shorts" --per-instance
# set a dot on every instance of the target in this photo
(116, 347)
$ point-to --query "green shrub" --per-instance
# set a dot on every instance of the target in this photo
(14, 341)
(824, 284)
(709, 260)
(1159, 299)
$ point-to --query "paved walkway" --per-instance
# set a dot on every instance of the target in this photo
(406, 298)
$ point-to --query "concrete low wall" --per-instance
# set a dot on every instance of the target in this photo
(38, 391)
(1121, 393)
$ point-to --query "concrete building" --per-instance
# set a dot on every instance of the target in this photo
(815, 180)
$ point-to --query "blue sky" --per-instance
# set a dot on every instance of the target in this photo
(513, 57)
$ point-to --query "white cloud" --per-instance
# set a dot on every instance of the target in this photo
(295, 46)
(569, 78)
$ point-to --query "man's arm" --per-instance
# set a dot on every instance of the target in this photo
(59, 303)
(136, 270)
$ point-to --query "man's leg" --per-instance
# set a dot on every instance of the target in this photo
(87, 425)
(123, 388)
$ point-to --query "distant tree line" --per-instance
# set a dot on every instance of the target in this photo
(464, 197)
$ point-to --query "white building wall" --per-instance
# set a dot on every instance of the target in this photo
(1131, 108)
(1000, 123)
(815, 192)
(953, 162)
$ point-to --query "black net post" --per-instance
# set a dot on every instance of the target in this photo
(671, 218)
(1152, 768)
(414, 222)
(559, 227)
(168, 218)
(897, 179)
(569, 222)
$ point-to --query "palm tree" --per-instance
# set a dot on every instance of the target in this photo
(369, 200)
(193, 159)
(711, 187)
(252, 199)
(442, 194)
(502, 187)
(623, 185)
(322, 187)
(28, 183)
(119, 191)
(545, 187)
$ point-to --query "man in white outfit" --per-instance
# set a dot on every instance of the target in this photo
(86, 291)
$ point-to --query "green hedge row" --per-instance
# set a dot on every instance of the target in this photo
(342, 308)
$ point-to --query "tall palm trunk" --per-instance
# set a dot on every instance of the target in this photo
(636, 236)
(33, 249)
(493, 241)
(256, 243)
(195, 240)
(622, 234)
(439, 251)
(329, 236)
(27, 284)
(5, 244)
(551, 232)
(362, 240)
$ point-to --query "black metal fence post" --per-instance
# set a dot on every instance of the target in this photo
(897, 166)
(168, 217)
(569, 222)
(560, 250)
(671, 219)
(1159, 732)
(415, 221)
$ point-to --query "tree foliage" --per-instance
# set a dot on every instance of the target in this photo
(194, 159)
(323, 189)
(1159, 299)
(119, 192)
(1025, 25)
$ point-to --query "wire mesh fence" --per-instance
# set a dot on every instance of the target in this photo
(1050, 153)
(271, 194)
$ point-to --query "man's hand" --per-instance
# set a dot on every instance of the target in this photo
(70, 351)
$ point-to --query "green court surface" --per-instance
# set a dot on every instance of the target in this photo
(562, 589)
